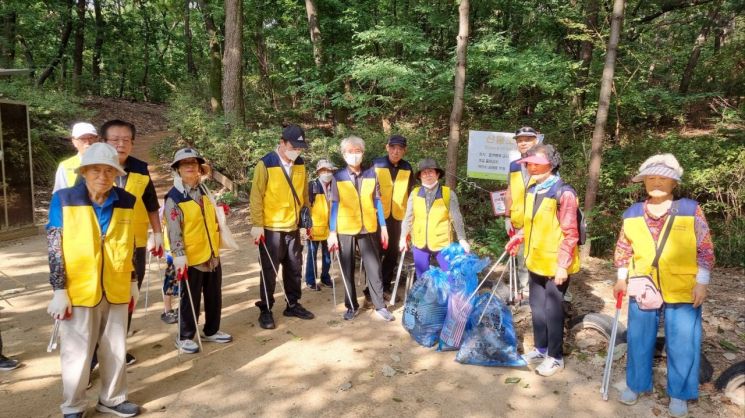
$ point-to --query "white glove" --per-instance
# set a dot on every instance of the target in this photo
(622, 273)
(155, 244)
(508, 227)
(180, 263)
(403, 245)
(257, 232)
(134, 294)
(333, 242)
(466, 246)
(60, 304)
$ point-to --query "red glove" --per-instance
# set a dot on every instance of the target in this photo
(514, 244)
(131, 307)
(225, 208)
(309, 234)
(181, 275)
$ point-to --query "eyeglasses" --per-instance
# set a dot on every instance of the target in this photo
(119, 140)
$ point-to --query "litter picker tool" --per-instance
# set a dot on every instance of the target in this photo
(409, 280)
(55, 333)
(481, 283)
(611, 349)
(344, 279)
(277, 279)
(147, 277)
(185, 278)
(491, 296)
(398, 276)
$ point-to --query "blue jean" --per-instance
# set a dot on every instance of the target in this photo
(310, 263)
(682, 344)
(422, 257)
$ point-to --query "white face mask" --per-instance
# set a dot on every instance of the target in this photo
(429, 185)
(292, 155)
(353, 159)
(326, 177)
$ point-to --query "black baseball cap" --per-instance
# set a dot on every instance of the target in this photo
(397, 140)
(526, 131)
(296, 136)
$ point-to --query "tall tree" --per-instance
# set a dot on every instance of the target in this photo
(97, 46)
(215, 71)
(232, 77)
(191, 68)
(456, 114)
(77, 58)
(586, 48)
(601, 118)
(315, 31)
(64, 39)
(8, 41)
(711, 18)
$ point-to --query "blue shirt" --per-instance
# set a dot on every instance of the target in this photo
(103, 212)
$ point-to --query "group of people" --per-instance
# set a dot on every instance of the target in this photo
(104, 202)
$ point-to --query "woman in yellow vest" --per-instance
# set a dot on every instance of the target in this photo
(682, 274)
(430, 211)
(91, 244)
(194, 241)
(319, 191)
(550, 233)
(82, 136)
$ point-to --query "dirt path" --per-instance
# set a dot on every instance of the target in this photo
(302, 368)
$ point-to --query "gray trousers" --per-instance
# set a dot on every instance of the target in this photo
(371, 260)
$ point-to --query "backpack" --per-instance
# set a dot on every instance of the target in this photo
(581, 221)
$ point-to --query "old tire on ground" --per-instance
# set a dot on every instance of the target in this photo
(601, 323)
(732, 381)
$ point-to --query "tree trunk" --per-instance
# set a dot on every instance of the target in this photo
(147, 27)
(585, 55)
(8, 42)
(77, 58)
(315, 31)
(191, 68)
(215, 72)
(460, 83)
(685, 81)
(601, 118)
(67, 21)
(232, 77)
(29, 55)
(97, 46)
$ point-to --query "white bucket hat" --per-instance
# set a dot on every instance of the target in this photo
(83, 128)
(662, 165)
(101, 153)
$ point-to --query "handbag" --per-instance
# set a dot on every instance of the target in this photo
(642, 288)
(305, 220)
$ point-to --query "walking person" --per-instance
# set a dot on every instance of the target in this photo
(395, 177)
(194, 241)
(551, 234)
(7, 363)
(82, 136)
(278, 195)
(319, 190)
(430, 211)
(91, 244)
(668, 241)
(356, 215)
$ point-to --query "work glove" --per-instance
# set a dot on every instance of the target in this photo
(60, 307)
(225, 208)
(134, 294)
(333, 242)
(180, 264)
(508, 226)
(257, 232)
(155, 244)
(403, 244)
(513, 245)
(384, 237)
(466, 246)
(309, 233)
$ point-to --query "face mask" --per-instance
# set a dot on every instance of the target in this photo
(353, 159)
(326, 177)
(292, 155)
(430, 185)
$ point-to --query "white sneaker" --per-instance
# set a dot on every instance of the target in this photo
(187, 346)
(534, 357)
(218, 337)
(550, 366)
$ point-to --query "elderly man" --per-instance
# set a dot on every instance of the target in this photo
(91, 243)
(356, 214)
(83, 135)
(278, 195)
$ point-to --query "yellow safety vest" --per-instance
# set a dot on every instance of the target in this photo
(96, 264)
(517, 194)
(137, 180)
(678, 264)
(431, 228)
(543, 234)
(319, 212)
(70, 165)
(356, 209)
(200, 231)
(281, 210)
(394, 194)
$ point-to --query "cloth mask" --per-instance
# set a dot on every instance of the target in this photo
(292, 155)
(429, 185)
(326, 177)
(353, 159)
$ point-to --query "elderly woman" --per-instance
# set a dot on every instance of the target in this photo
(551, 235)
(91, 245)
(430, 211)
(318, 191)
(194, 240)
(669, 241)
(356, 214)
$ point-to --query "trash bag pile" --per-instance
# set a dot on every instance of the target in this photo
(442, 309)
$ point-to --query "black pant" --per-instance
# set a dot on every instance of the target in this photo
(389, 257)
(209, 284)
(139, 262)
(371, 260)
(546, 304)
(285, 250)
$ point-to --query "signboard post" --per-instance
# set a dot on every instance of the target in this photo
(490, 153)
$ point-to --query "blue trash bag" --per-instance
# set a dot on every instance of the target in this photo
(491, 342)
(426, 306)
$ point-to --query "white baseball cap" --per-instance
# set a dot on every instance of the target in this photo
(101, 153)
(83, 128)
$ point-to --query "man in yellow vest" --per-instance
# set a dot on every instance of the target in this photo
(278, 194)
(121, 135)
(518, 182)
(83, 135)
(319, 190)
(91, 243)
(396, 181)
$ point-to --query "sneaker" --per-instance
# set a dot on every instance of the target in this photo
(327, 283)
(8, 364)
(628, 397)
(385, 315)
(266, 320)
(315, 287)
(131, 359)
(218, 337)
(550, 366)
(677, 408)
(534, 357)
(124, 409)
(350, 314)
(74, 415)
(187, 346)
(169, 317)
(386, 296)
(297, 310)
